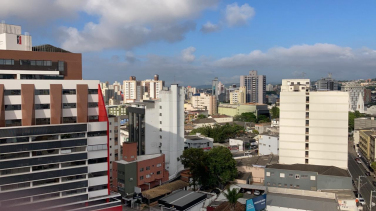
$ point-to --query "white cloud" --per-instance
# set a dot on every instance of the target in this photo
(209, 27)
(236, 16)
(187, 54)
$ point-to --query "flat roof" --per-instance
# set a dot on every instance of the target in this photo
(206, 120)
(300, 202)
(323, 170)
(258, 160)
(141, 158)
(182, 200)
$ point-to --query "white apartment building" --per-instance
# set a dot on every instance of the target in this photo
(206, 102)
(356, 93)
(268, 144)
(313, 125)
(152, 87)
(158, 127)
(269, 88)
(238, 96)
(132, 90)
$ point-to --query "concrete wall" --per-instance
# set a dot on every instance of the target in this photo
(268, 145)
(128, 173)
(332, 182)
(258, 173)
(287, 179)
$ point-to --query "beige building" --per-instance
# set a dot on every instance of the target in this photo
(151, 87)
(238, 96)
(367, 143)
(132, 90)
(313, 125)
(206, 102)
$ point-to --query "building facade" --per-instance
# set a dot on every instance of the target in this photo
(151, 88)
(206, 102)
(158, 127)
(132, 90)
(313, 125)
(238, 96)
(215, 91)
(237, 109)
(255, 87)
(54, 133)
(268, 144)
(367, 143)
(198, 141)
(356, 94)
(328, 84)
(117, 110)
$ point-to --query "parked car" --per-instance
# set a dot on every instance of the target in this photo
(256, 192)
(362, 202)
(367, 173)
(358, 161)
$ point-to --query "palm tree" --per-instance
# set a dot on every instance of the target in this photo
(232, 197)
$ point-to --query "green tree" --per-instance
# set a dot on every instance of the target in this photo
(194, 159)
(232, 196)
(373, 165)
(246, 117)
(352, 117)
(275, 112)
(262, 119)
(220, 132)
(201, 116)
(255, 132)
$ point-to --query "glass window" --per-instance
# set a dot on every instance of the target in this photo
(69, 105)
(46, 196)
(42, 106)
(9, 62)
(61, 66)
(43, 167)
(44, 182)
(14, 155)
(158, 172)
(45, 152)
(75, 177)
(39, 63)
(12, 122)
(12, 92)
(97, 147)
(47, 63)
(69, 91)
(42, 92)
(92, 105)
(93, 118)
(15, 171)
(69, 120)
(141, 169)
(147, 167)
(97, 187)
(32, 63)
(75, 163)
(45, 138)
(97, 160)
(24, 62)
(42, 121)
(98, 174)
(142, 177)
(72, 135)
(71, 192)
(92, 91)
(1, 61)
(15, 186)
(12, 107)
(72, 149)
(97, 133)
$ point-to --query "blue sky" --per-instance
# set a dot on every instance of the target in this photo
(280, 39)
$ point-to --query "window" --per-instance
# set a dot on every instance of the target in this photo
(158, 172)
(69, 91)
(160, 129)
(291, 175)
(307, 130)
(14, 171)
(44, 182)
(15, 186)
(268, 174)
(148, 176)
(97, 133)
(297, 176)
(160, 122)
(159, 165)
(268, 183)
(14, 155)
(272, 173)
(69, 119)
(160, 114)
(97, 160)
(46, 196)
(98, 174)
(282, 175)
(69, 105)
(92, 91)
(313, 178)
(279, 184)
(45, 152)
(60, 66)
(297, 186)
(72, 135)
(12, 107)
(72, 192)
(12, 92)
(42, 121)
(14, 140)
(142, 177)
(304, 176)
(97, 147)
(160, 107)
(45, 138)
(6, 62)
(97, 187)
(307, 138)
(75, 163)
(93, 118)
(41, 106)
(72, 149)
(44, 167)
(306, 161)
(92, 105)
(160, 137)
(75, 177)
(147, 167)
(12, 122)
(141, 169)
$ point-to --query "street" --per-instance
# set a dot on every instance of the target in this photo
(357, 170)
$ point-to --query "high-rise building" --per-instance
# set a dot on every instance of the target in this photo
(215, 91)
(152, 87)
(238, 96)
(114, 143)
(158, 127)
(53, 131)
(269, 88)
(327, 83)
(132, 90)
(204, 101)
(367, 96)
(313, 125)
(256, 87)
(356, 93)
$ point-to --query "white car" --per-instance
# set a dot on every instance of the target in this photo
(358, 161)
(362, 202)
(257, 193)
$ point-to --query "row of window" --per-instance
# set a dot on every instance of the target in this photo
(47, 92)
(148, 175)
(46, 121)
(47, 106)
(97, 147)
(148, 167)
(7, 156)
(297, 176)
(6, 62)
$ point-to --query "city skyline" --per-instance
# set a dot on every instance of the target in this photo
(275, 39)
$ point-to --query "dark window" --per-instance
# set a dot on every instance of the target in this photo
(307, 130)
(75, 163)
(71, 192)
(12, 122)
(46, 196)
(12, 92)
(42, 92)
(93, 118)
(141, 169)
(97, 133)
(69, 105)
(97, 187)
(92, 105)
(158, 172)
(69, 120)
(47, 63)
(12, 107)
(43, 167)
(92, 91)
(6, 62)
(42, 121)
(307, 122)
(15, 186)
(15, 171)
(147, 167)
(72, 149)
(42, 106)
(69, 91)
(39, 63)
(50, 77)
(45, 138)
(45, 152)
(98, 174)
(60, 66)
(44, 182)
(72, 135)
(8, 76)
(142, 177)
(14, 155)
(75, 177)
(307, 138)
(97, 160)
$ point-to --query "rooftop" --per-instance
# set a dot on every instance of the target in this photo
(258, 160)
(196, 137)
(182, 199)
(220, 116)
(164, 189)
(203, 121)
(300, 202)
(141, 158)
(323, 170)
(49, 48)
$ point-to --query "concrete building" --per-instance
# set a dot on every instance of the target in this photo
(362, 123)
(117, 110)
(367, 96)
(215, 91)
(233, 110)
(262, 127)
(54, 133)
(114, 142)
(367, 143)
(268, 144)
(158, 127)
(143, 172)
(327, 84)
(198, 141)
(223, 118)
(269, 88)
(238, 96)
(203, 122)
(152, 87)
(307, 177)
(205, 102)
(183, 201)
(255, 87)
(255, 167)
(313, 125)
(132, 90)
(356, 93)
(371, 111)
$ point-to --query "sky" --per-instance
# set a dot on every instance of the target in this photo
(190, 42)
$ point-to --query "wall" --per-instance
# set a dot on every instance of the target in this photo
(304, 183)
(268, 145)
(333, 182)
(227, 111)
(127, 172)
(236, 142)
(224, 119)
(258, 173)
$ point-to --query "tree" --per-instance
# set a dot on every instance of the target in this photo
(255, 132)
(352, 117)
(194, 159)
(232, 196)
(373, 165)
(262, 119)
(246, 117)
(201, 116)
(220, 132)
(275, 112)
